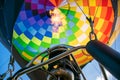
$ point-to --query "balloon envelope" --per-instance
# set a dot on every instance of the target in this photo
(45, 23)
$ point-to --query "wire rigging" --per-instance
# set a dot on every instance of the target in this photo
(80, 8)
(89, 18)
(96, 10)
(79, 68)
(88, 8)
(10, 68)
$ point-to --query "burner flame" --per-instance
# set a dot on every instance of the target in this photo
(57, 19)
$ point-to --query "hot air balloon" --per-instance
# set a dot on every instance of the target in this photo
(41, 24)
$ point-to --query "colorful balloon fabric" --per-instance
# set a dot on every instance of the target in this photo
(42, 24)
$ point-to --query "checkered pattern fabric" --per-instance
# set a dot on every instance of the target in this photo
(33, 32)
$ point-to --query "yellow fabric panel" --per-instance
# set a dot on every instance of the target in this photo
(15, 34)
(92, 3)
(26, 55)
(99, 24)
(99, 12)
(47, 39)
(74, 42)
(99, 34)
(24, 38)
(36, 41)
